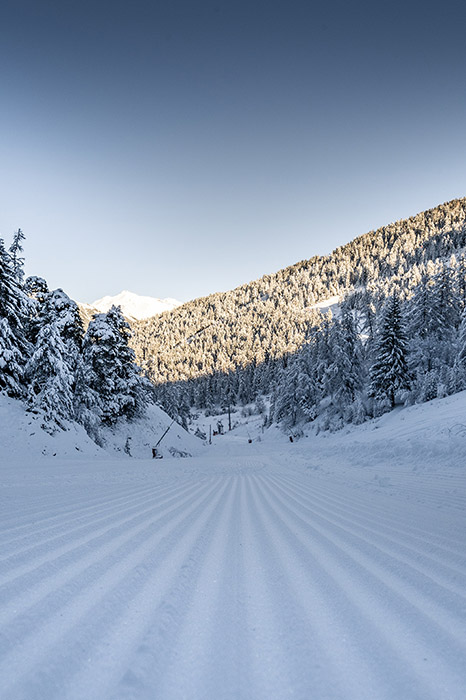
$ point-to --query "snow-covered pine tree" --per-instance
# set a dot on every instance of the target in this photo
(17, 262)
(344, 373)
(423, 324)
(286, 399)
(446, 309)
(433, 316)
(446, 302)
(322, 353)
(389, 372)
(307, 390)
(11, 361)
(37, 291)
(96, 382)
(14, 348)
(51, 371)
(419, 314)
(427, 386)
(65, 313)
(111, 385)
(36, 288)
(86, 402)
(50, 380)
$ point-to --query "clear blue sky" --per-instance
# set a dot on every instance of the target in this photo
(179, 148)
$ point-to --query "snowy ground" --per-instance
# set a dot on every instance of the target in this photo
(333, 567)
(21, 437)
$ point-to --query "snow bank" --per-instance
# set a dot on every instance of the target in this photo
(144, 433)
(22, 438)
(424, 435)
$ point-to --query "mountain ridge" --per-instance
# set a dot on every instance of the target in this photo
(134, 306)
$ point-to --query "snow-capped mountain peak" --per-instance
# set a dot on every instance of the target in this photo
(134, 305)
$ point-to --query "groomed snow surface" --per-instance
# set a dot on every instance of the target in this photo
(332, 567)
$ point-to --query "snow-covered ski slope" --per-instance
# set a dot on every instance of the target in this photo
(333, 567)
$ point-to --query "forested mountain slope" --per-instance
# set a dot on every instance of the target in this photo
(273, 317)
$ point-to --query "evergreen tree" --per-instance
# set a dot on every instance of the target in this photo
(428, 386)
(11, 361)
(36, 288)
(52, 369)
(13, 345)
(286, 400)
(50, 381)
(421, 322)
(111, 385)
(307, 391)
(344, 373)
(389, 371)
(37, 292)
(64, 312)
(446, 303)
(424, 326)
(17, 262)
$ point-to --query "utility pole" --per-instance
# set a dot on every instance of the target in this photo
(159, 441)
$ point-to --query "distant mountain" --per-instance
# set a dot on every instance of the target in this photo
(132, 305)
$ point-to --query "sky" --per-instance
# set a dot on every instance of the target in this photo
(178, 148)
